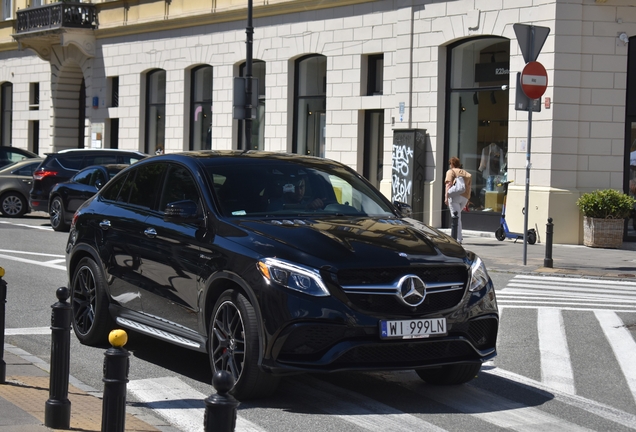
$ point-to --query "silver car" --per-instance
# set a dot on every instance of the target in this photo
(16, 180)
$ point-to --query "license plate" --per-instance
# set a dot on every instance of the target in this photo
(412, 329)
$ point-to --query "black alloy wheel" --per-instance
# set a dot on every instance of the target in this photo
(91, 319)
(233, 347)
(12, 204)
(449, 374)
(56, 213)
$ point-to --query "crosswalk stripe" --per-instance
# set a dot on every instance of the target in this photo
(578, 281)
(574, 289)
(28, 261)
(556, 368)
(27, 331)
(622, 344)
(179, 403)
(359, 410)
(568, 293)
(597, 408)
(489, 407)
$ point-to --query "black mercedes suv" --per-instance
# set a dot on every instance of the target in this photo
(61, 166)
(276, 264)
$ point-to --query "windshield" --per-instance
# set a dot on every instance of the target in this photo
(279, 188)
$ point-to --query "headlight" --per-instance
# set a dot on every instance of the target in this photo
(293, 276)
(478, 275)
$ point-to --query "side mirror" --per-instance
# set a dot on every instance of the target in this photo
(181, 211)
(404, 209)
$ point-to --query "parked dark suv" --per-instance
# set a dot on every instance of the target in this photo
(61, 166)
(276, 264)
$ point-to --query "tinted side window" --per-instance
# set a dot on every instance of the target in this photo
(84, 176)
(112, 190)
(26, 170)
(129, 160)
(147, 184)
(179, 186)
(99, 160)
(72, 162)
(98, 176)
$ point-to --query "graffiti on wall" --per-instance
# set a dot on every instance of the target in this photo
(402, 181)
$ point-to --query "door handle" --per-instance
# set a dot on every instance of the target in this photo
(105, 224)
(150, 232)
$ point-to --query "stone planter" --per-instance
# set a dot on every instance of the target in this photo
(603, 233)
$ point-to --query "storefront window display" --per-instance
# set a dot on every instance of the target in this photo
(477, 120)
(631, 225)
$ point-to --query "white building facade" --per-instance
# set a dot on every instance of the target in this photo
(350, 81)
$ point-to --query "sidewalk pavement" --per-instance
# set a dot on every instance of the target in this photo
(24, 394)
(23, 397)
(567, 260)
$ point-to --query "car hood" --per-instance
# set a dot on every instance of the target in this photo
(349, 242)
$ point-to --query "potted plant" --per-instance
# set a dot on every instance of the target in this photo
(604, 214)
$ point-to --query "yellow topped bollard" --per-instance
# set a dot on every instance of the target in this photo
(118, 338)
(116, 367)
(1, 272)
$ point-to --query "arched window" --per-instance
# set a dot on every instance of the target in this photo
(310, 105)
(201, 108)
(258, 124)
(155, 111)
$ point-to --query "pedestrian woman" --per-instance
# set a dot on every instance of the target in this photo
(457, 192)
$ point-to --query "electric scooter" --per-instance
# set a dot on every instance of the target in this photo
(503, 232)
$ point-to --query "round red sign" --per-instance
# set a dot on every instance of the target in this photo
(534, 80)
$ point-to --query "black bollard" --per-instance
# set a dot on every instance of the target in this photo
(116, 367)
(3, 301)
(220, 408)
(454, 225)
(57, 409)
(549, 231)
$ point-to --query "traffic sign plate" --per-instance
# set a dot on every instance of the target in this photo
(534, 80)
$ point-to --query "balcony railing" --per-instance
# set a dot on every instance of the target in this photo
(57, 15)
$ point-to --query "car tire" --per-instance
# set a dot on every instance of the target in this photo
(13, 205)
(57, 216)
(500, 234)
(233, 346)
(450, 374)
(89, 301)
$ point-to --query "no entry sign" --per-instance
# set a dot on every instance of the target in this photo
(534, 80)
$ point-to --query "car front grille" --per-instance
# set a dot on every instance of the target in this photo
(375, 291)
(368, 276)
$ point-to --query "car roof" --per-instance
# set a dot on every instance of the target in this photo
(18, 164)
(89, 151)
(246, 154)
(18, 150)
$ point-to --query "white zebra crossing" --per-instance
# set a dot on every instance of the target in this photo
(524, 291)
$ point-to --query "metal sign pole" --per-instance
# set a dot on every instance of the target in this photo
(527, 198)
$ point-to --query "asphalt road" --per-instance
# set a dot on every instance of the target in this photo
(560, 367)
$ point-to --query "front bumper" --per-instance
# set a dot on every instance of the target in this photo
(350, 339)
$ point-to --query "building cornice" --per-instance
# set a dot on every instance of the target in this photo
(216, 17)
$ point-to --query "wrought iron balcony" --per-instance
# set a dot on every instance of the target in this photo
(57, 16)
